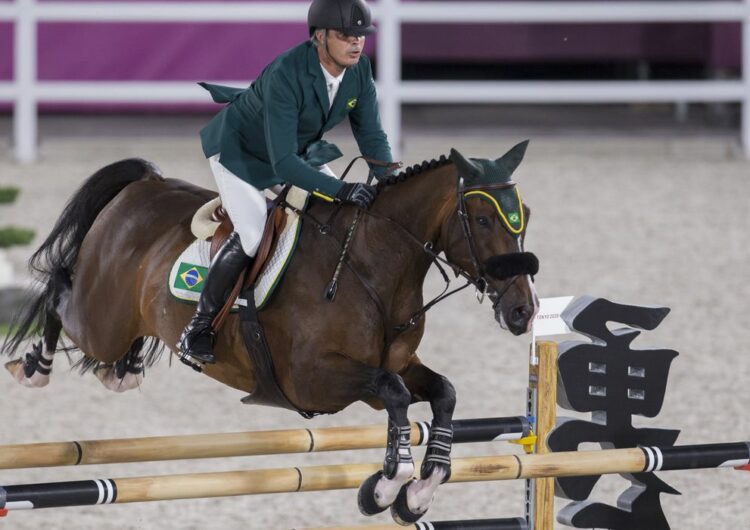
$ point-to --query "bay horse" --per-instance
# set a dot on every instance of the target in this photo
(127, 224)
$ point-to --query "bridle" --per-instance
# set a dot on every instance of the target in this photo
(480, 281)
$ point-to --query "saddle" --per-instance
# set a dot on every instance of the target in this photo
(212, 223)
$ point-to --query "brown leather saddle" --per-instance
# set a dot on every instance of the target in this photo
(275, 224)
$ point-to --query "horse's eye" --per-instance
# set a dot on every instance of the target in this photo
(483, 221)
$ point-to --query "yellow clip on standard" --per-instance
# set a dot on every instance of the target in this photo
(528, 443)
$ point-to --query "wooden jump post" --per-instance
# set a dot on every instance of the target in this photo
(220, 445)
(331, 477)
(542, 407)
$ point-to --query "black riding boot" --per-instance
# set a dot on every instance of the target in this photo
(197, 339)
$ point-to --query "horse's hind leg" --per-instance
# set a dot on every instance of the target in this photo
(127, 372)
(415, 498)
(34, 369)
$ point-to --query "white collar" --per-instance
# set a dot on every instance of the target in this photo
(330, 78)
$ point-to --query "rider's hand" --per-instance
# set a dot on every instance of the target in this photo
(357, 193)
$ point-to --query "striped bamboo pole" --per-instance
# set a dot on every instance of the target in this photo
(517, 523)
(319, 478)
(220, 445)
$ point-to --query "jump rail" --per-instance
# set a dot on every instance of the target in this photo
(347, 476)
(221, 445)
(516, 523)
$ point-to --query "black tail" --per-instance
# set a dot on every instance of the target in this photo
(53, 262)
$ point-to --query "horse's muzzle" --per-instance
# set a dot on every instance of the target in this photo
(516, 313)
(507, 266)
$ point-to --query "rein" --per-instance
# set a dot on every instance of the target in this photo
(332, 287)
(330, 291)
(427, 248)
(479, 283)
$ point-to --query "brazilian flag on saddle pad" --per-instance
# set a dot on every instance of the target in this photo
(190, 277)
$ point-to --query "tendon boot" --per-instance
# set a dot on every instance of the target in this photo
(197, 339)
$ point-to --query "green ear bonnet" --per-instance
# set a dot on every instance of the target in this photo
(490, 180)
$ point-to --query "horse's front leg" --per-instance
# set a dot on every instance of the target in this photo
(381, 489)
(415, 498)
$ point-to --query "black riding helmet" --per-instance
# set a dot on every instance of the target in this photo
(351, 17)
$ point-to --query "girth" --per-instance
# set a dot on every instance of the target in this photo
(267, 390)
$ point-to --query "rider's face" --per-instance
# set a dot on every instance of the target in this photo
(345, 50)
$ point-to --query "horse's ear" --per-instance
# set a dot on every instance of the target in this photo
(510, 160)
(466, 168)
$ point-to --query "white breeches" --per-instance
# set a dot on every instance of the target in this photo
(245, 204)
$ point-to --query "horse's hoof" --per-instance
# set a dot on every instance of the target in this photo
(15, 367)
(108, 377)
(366, 497)
(17, 370)
(400, 510)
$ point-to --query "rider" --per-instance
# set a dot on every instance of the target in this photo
(270, 134)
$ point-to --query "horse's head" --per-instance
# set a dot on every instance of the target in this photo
(492, 222)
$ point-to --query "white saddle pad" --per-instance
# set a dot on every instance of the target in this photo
(189, 272)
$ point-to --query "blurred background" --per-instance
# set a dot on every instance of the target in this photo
(682, 60)
(637, 177)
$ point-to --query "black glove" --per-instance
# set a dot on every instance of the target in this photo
(357, 193)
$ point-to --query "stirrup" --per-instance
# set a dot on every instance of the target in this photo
(186, 359)
(189, 335)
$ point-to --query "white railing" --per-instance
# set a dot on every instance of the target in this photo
(25, 91)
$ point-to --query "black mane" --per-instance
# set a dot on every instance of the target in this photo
(413, 170)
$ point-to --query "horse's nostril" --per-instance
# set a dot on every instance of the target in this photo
(521, 314)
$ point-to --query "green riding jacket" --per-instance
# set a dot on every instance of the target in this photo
(270, 133)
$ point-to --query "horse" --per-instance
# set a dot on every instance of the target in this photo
(128, 223)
